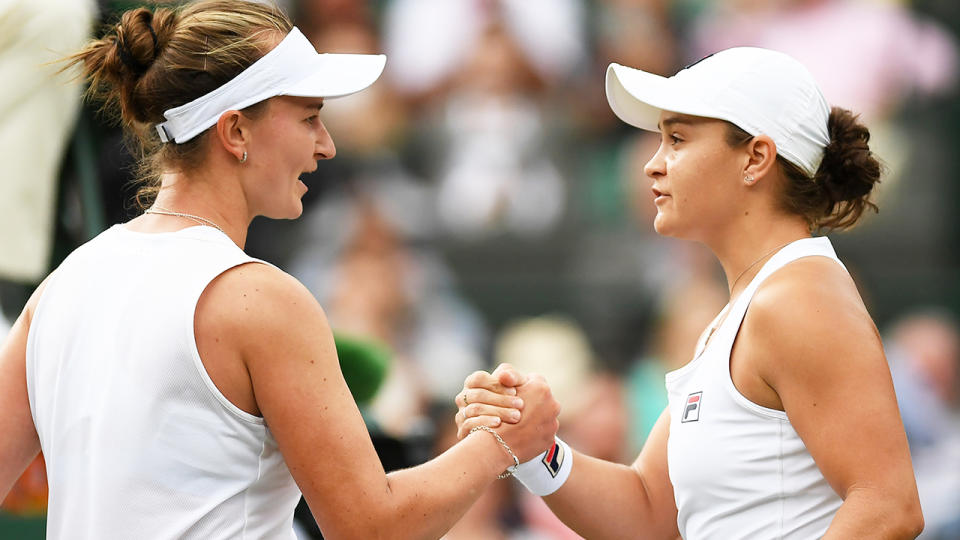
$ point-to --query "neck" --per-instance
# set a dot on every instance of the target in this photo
(204, 195)
(743, 252)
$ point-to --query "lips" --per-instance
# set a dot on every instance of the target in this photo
(657, 193)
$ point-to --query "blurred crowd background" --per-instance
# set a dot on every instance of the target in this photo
(486, 206)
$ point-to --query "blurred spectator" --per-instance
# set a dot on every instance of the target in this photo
(497, 173)
(37, 114)
(483, 71)
(636, 33)
(923, 348)
(429, 41)
(372, 282)
(866, 53)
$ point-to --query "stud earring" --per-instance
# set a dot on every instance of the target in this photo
(748, 179)
(244, 158)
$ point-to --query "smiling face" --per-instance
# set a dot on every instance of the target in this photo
(696, 177)
(285, 142)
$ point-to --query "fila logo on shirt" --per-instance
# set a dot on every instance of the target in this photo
(553, 459)
(691, 409)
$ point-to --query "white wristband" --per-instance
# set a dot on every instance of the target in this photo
(545, 473)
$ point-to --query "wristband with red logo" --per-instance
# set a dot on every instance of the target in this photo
(545, 473)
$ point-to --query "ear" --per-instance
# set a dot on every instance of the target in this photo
(761, 158)
(233, 133)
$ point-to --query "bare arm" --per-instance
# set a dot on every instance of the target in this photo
(19, 444)
(834, 383)
(288, 350)
(600, 499)
(608, 500)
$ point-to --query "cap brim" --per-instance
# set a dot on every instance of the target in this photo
(638, 97)
(337, 75)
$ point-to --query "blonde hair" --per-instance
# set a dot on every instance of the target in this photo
(155, 60)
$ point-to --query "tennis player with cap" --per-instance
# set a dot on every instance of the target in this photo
(179, 388)
(784, 424)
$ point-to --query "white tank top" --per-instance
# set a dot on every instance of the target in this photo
(138, 441)
(739, 470)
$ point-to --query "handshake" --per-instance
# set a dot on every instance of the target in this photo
(521, 410)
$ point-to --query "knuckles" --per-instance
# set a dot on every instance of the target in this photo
(476, 379)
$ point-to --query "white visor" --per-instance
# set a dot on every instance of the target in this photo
(759, 90)
(292, 68)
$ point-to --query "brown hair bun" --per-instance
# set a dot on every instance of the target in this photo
(848, 170)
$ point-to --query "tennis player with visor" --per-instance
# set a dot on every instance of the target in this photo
(784, 424)
(179, 388)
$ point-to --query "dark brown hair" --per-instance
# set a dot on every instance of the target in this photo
(152, 61)
(839, 192)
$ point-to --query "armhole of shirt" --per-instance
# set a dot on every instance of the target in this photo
(31, 344)
(195, 351)
(738, 397)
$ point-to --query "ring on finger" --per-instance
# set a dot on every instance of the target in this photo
(465, 402)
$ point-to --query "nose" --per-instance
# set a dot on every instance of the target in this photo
(656, 167)
(324, 149)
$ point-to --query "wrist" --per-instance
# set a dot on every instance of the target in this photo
(505, 452)
(547, 472)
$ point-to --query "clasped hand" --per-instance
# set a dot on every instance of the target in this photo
(520, 407)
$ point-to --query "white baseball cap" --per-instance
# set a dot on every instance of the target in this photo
(292, 68)
(759, 90)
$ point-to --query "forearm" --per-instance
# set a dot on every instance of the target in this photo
(601, 499)
(868, 513)
(427, 500)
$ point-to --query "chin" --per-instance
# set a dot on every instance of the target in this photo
(298, 209)
(660, 225)
(292, 212)
(664, 227)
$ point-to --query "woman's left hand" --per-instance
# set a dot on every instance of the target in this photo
(489, 399)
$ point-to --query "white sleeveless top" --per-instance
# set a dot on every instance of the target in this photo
(739, 470)
(138, 441)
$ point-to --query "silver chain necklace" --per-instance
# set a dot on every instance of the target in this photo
(165, 212)
(754, 263)
(713, 327)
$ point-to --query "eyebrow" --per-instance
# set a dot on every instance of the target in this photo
(315, 105)
(674, 120)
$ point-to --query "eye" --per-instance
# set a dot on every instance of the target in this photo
(674, 139)
(312, 119)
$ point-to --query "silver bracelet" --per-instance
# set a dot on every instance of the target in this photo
(516, 462)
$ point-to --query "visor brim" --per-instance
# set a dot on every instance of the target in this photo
(338, 75)
(638, 97)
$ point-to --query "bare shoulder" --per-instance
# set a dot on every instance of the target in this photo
(810, 294)
(816, 346)
(808, 316)
(255, 301)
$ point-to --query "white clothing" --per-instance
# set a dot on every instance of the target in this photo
(138, 441)
(428, 41)
(739, 470)
(37, 113)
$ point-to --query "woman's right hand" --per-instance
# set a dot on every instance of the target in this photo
(521, 408)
